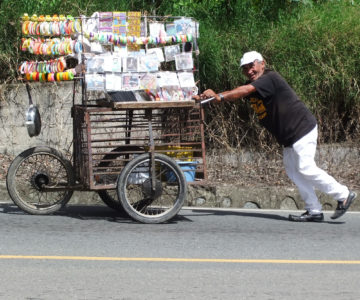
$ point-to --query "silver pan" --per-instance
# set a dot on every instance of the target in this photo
(33, 121)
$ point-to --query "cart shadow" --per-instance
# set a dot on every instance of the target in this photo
(88, 212)
(263, 215)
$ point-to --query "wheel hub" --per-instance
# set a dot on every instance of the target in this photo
(150, 192)
(39, 180)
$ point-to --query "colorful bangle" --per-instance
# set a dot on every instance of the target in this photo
(25, 27)
(71, 75)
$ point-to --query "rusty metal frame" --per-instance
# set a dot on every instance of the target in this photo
(106, 138)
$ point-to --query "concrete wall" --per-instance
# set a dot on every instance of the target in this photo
(54, 101)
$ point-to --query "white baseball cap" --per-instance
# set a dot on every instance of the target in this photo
(250, 57)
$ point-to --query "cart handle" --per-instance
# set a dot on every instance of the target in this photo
(207, 100)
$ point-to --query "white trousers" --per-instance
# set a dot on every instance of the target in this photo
(300, 166)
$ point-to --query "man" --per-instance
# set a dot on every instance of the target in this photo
(282, 113)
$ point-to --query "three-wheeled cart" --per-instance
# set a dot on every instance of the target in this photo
(138, 155)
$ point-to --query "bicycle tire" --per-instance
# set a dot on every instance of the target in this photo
(33, 169)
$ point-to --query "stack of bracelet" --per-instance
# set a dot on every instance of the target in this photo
(50, 26)
(52, 46)
(117, 39)
(50, 70)
(59, 76)
(47, 66)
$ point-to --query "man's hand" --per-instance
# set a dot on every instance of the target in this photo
(209, 94)
(196, 97)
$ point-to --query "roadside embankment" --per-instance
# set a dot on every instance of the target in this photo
(239, 179)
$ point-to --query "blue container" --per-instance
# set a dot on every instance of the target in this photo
(188, 167)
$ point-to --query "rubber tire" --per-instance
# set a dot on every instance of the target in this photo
(103, 194)
(151, 219)
(11, 174)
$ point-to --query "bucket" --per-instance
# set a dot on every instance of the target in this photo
(188, 167)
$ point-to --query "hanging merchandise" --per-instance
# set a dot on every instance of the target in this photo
(51, 46)
(95, 82)
(50, 26)
(186, 26)
(184, 61)
(187, 84)
(113, 82)
(32, 117)
(131, 64)
(171, 51)
(170, 87)
(47, 66)
(159, 53)
(130, 82)
(119, 51)
(133, 29)
(105, 38)
(106, 22)
(148, 81)
(95, 64)
(119, 28)
(112, 63)
(149, 63)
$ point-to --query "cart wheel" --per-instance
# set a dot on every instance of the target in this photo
(34, 169)
(147, 203)
(115, 160)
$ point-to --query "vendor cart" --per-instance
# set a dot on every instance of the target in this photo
(138, 155)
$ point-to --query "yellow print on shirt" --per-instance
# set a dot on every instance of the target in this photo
(259, 107)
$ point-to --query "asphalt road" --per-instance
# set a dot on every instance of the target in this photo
(96, 253)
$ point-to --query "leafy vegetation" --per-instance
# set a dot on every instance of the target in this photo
(313, 44)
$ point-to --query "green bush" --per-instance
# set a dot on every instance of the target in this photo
(313, 44)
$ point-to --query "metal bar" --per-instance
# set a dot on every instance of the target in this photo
(203, 141)
(89, 148)
(152, 149)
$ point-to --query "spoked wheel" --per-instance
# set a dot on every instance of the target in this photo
(31, 176)
(112, 164)
(147, 200)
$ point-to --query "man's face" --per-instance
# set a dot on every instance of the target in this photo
(253, 70)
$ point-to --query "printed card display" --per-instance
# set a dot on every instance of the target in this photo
(94, 82)
(105, 21)
(148, 81)
(112, 63)
(187, 84)
(184, 61)
(113, 82)
(186, 26)
(159, 52)
(171, 51)
(170, 87)
(157, 29)
(186, 79)
(95, 64)
(131, 64)
(170, 29)
(149, 63)
(130, 82)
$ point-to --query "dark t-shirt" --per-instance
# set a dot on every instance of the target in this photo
(279, 109)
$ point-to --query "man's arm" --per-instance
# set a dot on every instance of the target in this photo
(237, 93)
